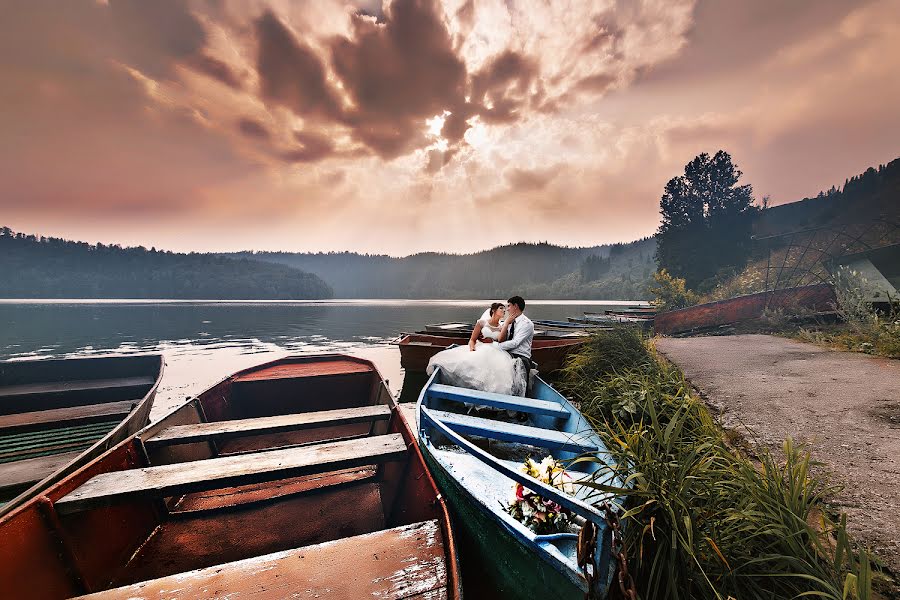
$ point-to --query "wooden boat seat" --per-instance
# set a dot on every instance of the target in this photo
(499, 401)
(86, 385)
(512, 432)
(31, 470)
(107, 411)
(392, 564)
(219, 430)
(228, 471)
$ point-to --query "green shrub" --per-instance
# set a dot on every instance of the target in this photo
(671, 292)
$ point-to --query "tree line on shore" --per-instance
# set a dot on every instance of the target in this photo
(616, 271)
(41, 267)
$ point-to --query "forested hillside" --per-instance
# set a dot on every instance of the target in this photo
(39, 267)
(617, 271)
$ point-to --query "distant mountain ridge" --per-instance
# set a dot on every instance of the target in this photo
(613, 271)
(39, 267)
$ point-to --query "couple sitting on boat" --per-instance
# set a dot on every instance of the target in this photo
(498, 357)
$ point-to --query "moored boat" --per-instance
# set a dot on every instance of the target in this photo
(611, 320)
(549, 325)
(56, 415)
(464, 330)
(417, 349)
(295, 478)
(477, 462)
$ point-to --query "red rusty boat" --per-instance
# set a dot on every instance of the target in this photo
(296, 478)
(417, 349)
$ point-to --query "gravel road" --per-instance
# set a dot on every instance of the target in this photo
(846, 406)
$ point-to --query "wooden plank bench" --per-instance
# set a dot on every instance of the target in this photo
(54, 417)
(227, 471)
(406, 562)
(220, 430)
(499, 401)
(31, 470)
(513, 432)
(85, 385)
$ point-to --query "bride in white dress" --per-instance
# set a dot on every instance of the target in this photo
(481, 365)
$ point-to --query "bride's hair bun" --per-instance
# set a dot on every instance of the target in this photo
(494, 307)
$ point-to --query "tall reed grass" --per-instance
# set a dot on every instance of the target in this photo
(702, 520)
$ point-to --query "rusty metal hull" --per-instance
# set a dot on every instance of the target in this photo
(60, 378)
(416, 350)
(813, 298)
(138, 545)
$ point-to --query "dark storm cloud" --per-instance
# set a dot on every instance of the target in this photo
(254, 129)
(215, 68)
(503, 84)
(397, 74)
(290, 73)
(313, 147)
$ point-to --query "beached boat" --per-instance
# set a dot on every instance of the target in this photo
(477, 462)
(296, 478)
(417, 349)
(57, 415)
(818, 299)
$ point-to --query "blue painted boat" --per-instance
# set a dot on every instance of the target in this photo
(477, 461)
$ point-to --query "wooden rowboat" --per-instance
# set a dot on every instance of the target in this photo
(417, 349)
(296, 478)
(57, 415)
(548, 325)
(464, 330)
(477, 462)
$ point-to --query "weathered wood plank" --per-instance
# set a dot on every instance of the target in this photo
(182, 434)
(55, 387)
(227, 471)
(393, 564)
(32, 470)
(61, 416)
(499, 401)
(513, 432)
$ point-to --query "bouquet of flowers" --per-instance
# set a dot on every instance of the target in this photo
(541, 515)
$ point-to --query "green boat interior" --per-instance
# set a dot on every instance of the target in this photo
(52, 411)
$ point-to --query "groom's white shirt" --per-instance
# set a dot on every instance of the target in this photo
(520, 343)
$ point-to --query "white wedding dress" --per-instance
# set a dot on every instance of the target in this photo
(488, 368)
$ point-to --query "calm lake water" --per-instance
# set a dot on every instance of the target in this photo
(203, 341)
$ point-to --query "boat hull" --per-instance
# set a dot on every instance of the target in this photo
(417, 350)
(818, 298)
(494, 563)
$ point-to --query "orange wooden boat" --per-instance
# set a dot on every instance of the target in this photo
(417, 349)
(296, 478)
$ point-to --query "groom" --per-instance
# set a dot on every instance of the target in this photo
(517, 332)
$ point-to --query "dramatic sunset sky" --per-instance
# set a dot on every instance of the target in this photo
(450, 125)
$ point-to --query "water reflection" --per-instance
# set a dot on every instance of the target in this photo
(205, 341)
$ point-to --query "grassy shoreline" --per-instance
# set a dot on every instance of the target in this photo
(704, 519)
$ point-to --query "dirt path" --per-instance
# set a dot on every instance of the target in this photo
(845, 405)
